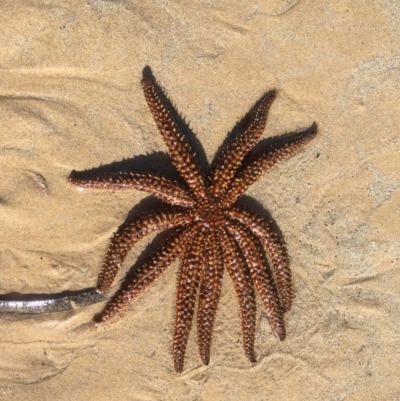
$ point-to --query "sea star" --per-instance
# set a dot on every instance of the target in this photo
(209, 228)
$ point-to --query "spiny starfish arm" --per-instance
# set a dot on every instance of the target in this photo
(241, 280)
(131, 232)
(224, 171)
(167, 190)
(187, 286)
(275, 247)
(178, 148)
(146, 274)
(266, 160)
(261, 277)
(210, 290)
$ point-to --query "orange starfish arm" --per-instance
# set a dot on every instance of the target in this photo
(167, 190)
(130, 233)
(178, 148)
(266, 160)
(261, 276)
(241, 280)
(275, 247)
(145, 275)
(210, 291)
(186, 294)
(241, 145)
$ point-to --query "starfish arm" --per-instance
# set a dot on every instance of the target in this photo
(210, 291)
(261, 277)
(131, 232)
(167, 190)
(241, 145)
(266, 160)
(145, 275)
(241, 280)
(182, 156)
(187, 286)
(275, 247)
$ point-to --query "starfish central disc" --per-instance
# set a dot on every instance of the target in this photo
(209, 212)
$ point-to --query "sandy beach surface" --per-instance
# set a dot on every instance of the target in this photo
(70, 98)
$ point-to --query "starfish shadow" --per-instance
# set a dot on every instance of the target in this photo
(150, 163)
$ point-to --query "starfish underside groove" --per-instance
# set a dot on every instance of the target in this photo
(209, 230)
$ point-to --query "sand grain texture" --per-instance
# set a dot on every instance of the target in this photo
(70, 98)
